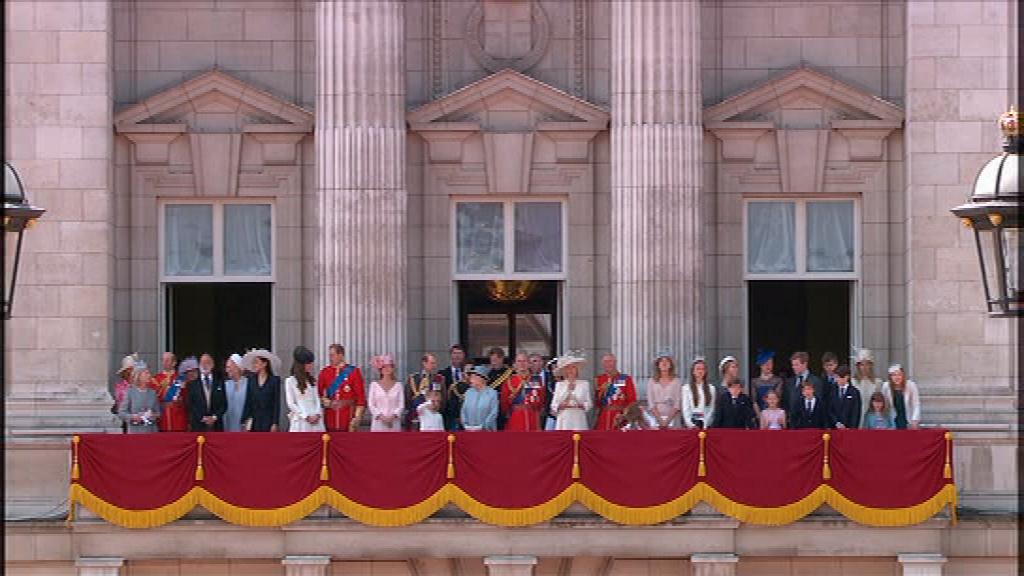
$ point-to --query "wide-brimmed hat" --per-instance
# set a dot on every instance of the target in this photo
(481, 371)
(189, 363)
(251, 355)
(571, 358)
(128, 363)
(764, 356)
(863, 355)
(724, 361)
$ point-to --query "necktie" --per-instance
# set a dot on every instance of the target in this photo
(808, 405)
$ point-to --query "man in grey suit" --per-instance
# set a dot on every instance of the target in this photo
(792, 395)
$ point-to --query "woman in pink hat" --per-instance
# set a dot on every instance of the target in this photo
(386, 397)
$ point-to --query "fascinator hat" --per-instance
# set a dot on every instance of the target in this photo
(663, 352)
(863, 355)
(725, 362)
(382, 360)
(480, 371)
(895, 368)
(763, 356)
(128, 363)
(187, 364)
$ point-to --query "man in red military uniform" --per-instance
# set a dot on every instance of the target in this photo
(523, 397)
(615, 392)
(342, 392)
(173, 394)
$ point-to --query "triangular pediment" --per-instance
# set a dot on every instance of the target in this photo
(802, 95)
(214, 102)
(508, 100)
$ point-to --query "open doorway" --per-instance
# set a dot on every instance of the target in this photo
(218, 318)
(517, 317)
(808, 315)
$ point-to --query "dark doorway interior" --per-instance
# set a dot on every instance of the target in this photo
(220, 319)
(526, 325)
(808, 315)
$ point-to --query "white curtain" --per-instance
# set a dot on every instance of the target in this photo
(830, 236)
(247, 246)
(538, 237)
(771, 237)
(188, 240)
(480, 229)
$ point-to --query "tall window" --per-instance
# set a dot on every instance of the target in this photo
(223, 241)
(812, 238)
(509, 239)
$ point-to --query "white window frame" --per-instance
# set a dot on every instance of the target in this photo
(509, 272)
(218, 240)
(800, 218)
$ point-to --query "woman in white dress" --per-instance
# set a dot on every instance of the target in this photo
(572, 399)
(864, 378)
(305, 413)
(386, 397)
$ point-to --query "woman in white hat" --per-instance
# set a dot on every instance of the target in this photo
(124, 383)
(665, 392)
(901, 394)
(572, 399)
(236, 388)
(386, 397)
(864, 377)
(263, 402)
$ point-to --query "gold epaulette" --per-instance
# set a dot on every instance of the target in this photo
(501, 379)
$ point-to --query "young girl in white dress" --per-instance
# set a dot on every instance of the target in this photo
(305, 413)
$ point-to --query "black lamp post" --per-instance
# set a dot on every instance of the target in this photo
(19, 216)
(993, 212)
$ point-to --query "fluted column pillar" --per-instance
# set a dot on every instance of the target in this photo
(656, 245)
(360, 156)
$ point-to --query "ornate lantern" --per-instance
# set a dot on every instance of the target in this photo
(993, 212)
(19, 215)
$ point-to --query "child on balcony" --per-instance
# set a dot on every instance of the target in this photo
(878, 418)
(772, 417)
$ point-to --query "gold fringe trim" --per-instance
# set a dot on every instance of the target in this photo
(946, 496)
(513, 516)
(450, 493)
(261, 516)
(135, 518)
(639, 516)
(387, 517)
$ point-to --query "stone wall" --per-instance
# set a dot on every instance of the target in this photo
(268, 43)
(58, 105)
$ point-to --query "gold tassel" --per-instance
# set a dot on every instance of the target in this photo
(200, 440)
(323, 462)
(71, 505)
(575, 456)
(76, 474)
(702, 469)
(826, 471)
(451, 461)
(947, 470)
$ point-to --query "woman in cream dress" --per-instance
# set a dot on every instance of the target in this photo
(572, 399)
(305, 413)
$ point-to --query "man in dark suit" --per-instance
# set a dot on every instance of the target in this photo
(207, 399)
(456, 383)
(846, 402)
(811, 412)
(733, 408)
(792, 392)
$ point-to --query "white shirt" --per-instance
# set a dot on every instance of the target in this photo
(430, 419)
(705, 405)
(911, 400)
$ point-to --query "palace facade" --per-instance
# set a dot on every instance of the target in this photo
(712, 177)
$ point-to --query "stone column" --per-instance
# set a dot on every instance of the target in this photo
(510, 565)
(656, 251)
(360, 157)
(306, 565)
(714, 564)
(58, 115)
(922, 564)
(99, 566)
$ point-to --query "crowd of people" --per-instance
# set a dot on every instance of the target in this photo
(531, 394)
